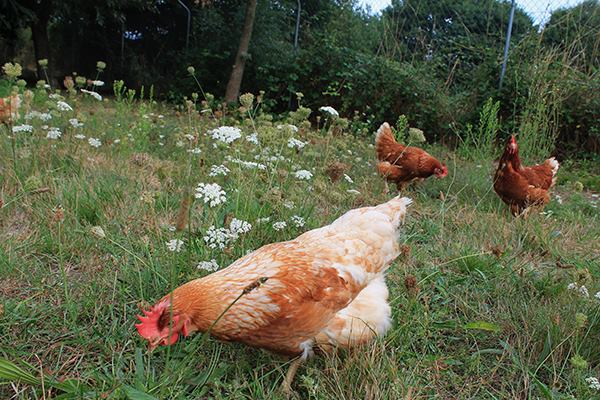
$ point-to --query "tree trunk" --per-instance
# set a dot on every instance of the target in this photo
(235, 79)
(39, 34)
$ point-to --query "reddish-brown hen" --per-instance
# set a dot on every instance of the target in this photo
(523, 187)
(403, 164)
(325, 288)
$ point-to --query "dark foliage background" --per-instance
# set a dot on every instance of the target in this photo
(436, 61)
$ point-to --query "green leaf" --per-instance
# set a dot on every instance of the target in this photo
(483, 326)
(13, 373)
(135, 394)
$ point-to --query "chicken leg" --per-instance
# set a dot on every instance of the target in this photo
(286, 385)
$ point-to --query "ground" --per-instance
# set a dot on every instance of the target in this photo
(482, 301)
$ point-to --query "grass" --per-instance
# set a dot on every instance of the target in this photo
(480, 300)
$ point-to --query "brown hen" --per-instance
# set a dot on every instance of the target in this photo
(523, 187)
(403, 164)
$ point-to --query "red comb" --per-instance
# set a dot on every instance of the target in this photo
(148, 327)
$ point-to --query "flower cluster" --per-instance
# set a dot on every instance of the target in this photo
(238, 226)
(217, 170)
(210, 266)
(222, 237)
(95, 95)
(211, 193)
(22, 128)
(289, 127)
(62, 106)
(298, 221)
(330, 110)
(582, 290)
(45, 117)
(175, 245)
(94, 142)
(279, 225)
(593, 382)
(295, 143)
(303, 174)
(75, 123)
(253, 138)
(53, 133)
(247, 164)
(226, 134)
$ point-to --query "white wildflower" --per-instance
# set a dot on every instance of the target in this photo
(75, 123)
(279, 225)
(189, 137)
(348, 179)
(295, 143)
(210, 266)
(98, 83)
(329, 110)
(247, 164)
(79, 136)
(288, 204)
(217, 237)
(195, 150)
(175, 245)
(62, 106)
(53, 133)
(298, 221)
(290, 127)
(116, 141)
(593, 382)
(45, 117)
(582, 290)
(226, 134)
(217, 170)
(95, 95)
(263, 220)
(303, 174)
(238, 226)
(94, 142)
(22, 128)
(253, 139)
(597, 295)
(211, 193)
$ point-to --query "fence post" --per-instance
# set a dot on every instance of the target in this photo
(507, 44)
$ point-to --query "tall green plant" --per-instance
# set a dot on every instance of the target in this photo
(478, 143)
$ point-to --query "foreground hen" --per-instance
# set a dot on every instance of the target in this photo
(325, 288)
(523, 187)
(403, 164)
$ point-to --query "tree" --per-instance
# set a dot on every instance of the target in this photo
(237, 73)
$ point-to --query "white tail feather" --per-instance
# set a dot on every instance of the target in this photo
(554, 164)
(381, 129)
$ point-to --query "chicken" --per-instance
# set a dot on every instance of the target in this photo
(403, 164)
(523, 187)
(324, 289)
(9, 108)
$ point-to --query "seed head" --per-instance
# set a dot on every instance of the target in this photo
(43, 62)
(12, 70)
(191, 70)
(247, 99)
(100, 65)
